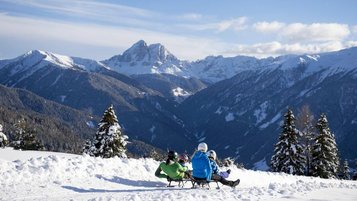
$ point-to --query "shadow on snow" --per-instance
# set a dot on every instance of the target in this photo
(123, 181)
(94, 190)
(128, 182)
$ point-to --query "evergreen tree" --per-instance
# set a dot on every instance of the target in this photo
(304, 123)
(3, 138)
(25, 138)
(345, 171)
(325, 160)
(87, 147)
(288, 154)
(109, 140)
(354, 177)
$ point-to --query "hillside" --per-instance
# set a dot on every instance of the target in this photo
(30, 175)
(59, 127)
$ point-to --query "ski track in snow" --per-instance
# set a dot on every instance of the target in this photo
(31, 175)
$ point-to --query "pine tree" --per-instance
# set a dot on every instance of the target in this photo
(109, 140)
(354, 177)
(87, 147)
(304, 123)
(325, 160)
(345, 171)
(25, 138)
(3, 139)
(288, 154)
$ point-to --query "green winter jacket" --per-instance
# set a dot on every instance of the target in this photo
(173, 170)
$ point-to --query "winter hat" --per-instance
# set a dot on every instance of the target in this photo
(183, 158)
(202, 147)
(172, 155)
(212, 154)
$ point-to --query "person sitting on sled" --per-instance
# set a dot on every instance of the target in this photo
(171, 168)
(218, 175)
(201, 167)
(183, 160)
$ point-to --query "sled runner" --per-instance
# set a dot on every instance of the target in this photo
(181, 182)
(202, 183)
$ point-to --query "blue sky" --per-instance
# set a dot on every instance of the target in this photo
(189, 29)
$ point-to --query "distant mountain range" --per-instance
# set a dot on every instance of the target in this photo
(235, 104)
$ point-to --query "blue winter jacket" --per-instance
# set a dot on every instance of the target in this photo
(201, 167)
(215, 168)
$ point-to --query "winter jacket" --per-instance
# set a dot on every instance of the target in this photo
(216, 170)
(201, 166)
(173, 170)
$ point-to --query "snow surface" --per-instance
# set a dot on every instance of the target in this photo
(31, 175)
(229, 117)
(37, 59)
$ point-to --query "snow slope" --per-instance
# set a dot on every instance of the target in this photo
(31, 175)
(37, 59)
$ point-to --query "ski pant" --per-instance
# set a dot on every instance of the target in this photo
(222, 180)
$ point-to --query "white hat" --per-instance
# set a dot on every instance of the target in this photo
(202, 147)
(212, 153)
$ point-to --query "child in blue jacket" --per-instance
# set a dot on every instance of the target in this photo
(201, 167)
(218, 175)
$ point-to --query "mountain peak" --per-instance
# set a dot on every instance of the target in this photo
(139, 44)
(141, 52)
(36, 59)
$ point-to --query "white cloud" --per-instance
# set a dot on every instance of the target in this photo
(276, 48)
(316, 32)
(268, 26)
(54, 33)
(299, 32)
(83, 7)
(236, 24)
(351, 43)
(191, 16)
(354, 29)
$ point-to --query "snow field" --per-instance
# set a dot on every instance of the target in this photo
(31, 175)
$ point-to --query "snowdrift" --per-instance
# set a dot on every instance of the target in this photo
(31, 175)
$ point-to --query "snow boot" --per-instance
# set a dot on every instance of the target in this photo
(235, 183)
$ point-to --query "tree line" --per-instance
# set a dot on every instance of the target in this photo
(308, 148)
(109, 140)
(25, 137)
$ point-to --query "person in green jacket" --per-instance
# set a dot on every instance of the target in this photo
(171, 169)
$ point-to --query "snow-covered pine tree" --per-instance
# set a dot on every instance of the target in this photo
(25, 138)
(304, 123)
(109, 141)
(345, 171)
(87, 147)
(325, 160)
(3, 139)
(288, 154)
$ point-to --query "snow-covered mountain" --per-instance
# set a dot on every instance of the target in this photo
(31, 175)
(246, 110)
(156, 59)
(36, 59)
(147, 59)
(144, 113)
